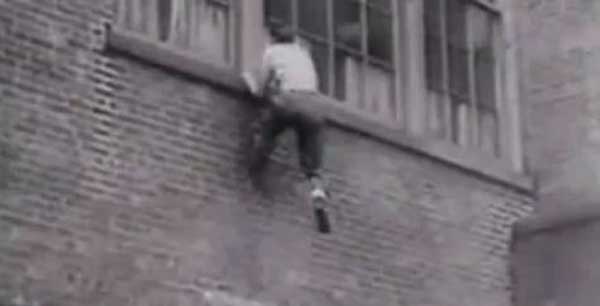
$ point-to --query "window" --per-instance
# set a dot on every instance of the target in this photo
(352, 43)
(200, 26)
(462, 72)
(432, 68)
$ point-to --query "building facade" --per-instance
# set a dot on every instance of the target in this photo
(123, 142)
(555, 253)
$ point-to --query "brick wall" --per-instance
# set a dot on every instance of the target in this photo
(123, 184)
(560, 52)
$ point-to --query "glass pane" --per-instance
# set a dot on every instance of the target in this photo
(434, 70)
(279, 11)
(198, 25)
(384, 4)
(320, 56)
(458, 70)
(380, 34)
(433, 46)
(460, 122)
(482, 25)
(164, 18)
(347, 21)
(313, 16)
(458, 53)
(488, 132)
(436, 113)
(139, 15)
(379, 92)
(347, 77)
(179, 24)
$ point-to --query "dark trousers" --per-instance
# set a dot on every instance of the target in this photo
(288, 110)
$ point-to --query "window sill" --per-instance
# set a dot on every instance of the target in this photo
(181, 61)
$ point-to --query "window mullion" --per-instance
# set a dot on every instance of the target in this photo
(473, 114)
(397, 102)
(448, 126)
(502, 145)
(295, 16)
(193, 22)
(235, 48)
(330, 47)
(364, 55)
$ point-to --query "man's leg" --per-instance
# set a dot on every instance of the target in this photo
(309, 130)
(267, 126)
(310, 145)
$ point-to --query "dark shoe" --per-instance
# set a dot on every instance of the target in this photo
(322, 219)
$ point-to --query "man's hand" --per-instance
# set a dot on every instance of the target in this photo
(252, 83)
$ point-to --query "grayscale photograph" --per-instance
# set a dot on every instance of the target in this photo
(299, 152)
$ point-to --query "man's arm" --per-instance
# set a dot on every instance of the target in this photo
(268, 74)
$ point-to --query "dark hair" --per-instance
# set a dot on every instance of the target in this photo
(282, 34)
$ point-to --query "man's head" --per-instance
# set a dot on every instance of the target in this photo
(282, 34)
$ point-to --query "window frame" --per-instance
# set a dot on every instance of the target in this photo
(508, 108)
(468, 132)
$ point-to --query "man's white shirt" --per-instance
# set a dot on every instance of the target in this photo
(292, 64)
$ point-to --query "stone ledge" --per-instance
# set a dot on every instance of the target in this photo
(562, 219)
(175, 59)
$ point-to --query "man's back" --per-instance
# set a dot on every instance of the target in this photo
(292, 65)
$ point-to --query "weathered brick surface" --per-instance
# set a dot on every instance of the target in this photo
(123, 184)
(560, 50)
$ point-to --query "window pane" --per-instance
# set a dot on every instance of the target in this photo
(164, 18)
(379, 92)
(384, 4)
(482, 35)
(436, 113)
(458, 54)
(433, 46)
(210, 30)
(488, 132)
(347, 77)
(460, 122)
(482, 27)
(278, 11)
(434, 71)
(198, 25)
(139, 15)
(179, 24)
(458, 70)
(348, 27)
(313, 16)
(380, 34)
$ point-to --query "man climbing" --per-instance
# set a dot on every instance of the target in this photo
(288, 80)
